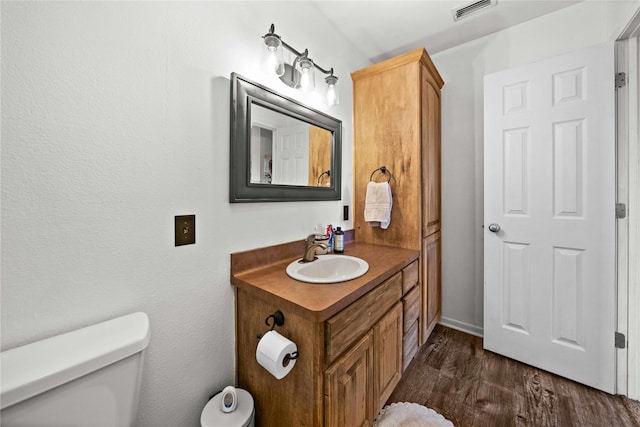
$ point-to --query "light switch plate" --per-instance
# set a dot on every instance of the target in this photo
(185, 230)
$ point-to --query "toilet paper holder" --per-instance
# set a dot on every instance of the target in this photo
(278, 320)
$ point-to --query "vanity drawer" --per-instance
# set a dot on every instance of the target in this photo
(410, 345)
(358, 318)
(409, 277)
(411, 305)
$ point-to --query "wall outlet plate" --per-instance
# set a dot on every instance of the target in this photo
(185, 227)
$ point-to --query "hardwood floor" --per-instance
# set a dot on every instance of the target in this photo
(471, 387)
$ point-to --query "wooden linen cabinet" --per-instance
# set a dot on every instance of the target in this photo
(396, 113)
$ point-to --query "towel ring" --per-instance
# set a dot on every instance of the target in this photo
(327, 172)
(382, 169)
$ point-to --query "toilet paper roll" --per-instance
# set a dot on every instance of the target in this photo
(272, 353)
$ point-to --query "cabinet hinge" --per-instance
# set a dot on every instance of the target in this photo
(621, 340)
(621, 210)
(621, 80)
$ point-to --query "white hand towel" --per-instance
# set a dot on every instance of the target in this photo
(377, 204)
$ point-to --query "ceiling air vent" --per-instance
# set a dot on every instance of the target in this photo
(471, 8)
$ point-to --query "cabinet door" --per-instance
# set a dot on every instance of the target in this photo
(431, 286)
(430, 155)
(387, 343)
(349, 387)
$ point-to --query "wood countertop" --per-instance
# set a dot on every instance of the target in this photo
(262, 271)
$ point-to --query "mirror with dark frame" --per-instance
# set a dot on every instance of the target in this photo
(281, 150)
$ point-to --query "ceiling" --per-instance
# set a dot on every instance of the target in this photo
(383, 29)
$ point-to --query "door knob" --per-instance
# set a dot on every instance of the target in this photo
(494, 228)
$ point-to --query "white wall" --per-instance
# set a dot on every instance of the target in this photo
(463, 68)
(115, 118)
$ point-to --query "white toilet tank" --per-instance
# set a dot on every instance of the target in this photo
(87, 377)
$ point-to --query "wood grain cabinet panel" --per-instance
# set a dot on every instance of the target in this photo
(396, 124)
(352, 322)
(410, 276)
(300, 388)
(319, 157)
(430, 157)
(431, 274)
(350, 388)
(411, 306)
(409, 345)
(411, 303)
(387, 341)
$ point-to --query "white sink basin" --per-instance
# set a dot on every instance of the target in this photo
(328, 269)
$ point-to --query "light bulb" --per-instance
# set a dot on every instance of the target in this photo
(306, 81)
(332, 96)
(272, 64)
(272, 59)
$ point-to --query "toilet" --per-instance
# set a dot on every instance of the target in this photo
(87, 377)
(243, 415)
(91, 377)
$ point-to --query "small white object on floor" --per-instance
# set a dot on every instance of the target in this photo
(406, 414)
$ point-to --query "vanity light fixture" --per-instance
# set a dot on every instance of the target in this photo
(299, 75)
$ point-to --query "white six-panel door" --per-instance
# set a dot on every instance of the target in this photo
(291, 155)
(549, 165)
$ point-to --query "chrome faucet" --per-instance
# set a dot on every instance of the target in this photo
(311, 245)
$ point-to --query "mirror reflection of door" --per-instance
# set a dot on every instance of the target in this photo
(319, 157)
(290, 155)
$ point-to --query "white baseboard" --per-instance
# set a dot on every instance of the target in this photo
(478, 331)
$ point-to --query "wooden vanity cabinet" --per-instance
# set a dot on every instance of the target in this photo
(349, 364)
(396, 122)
